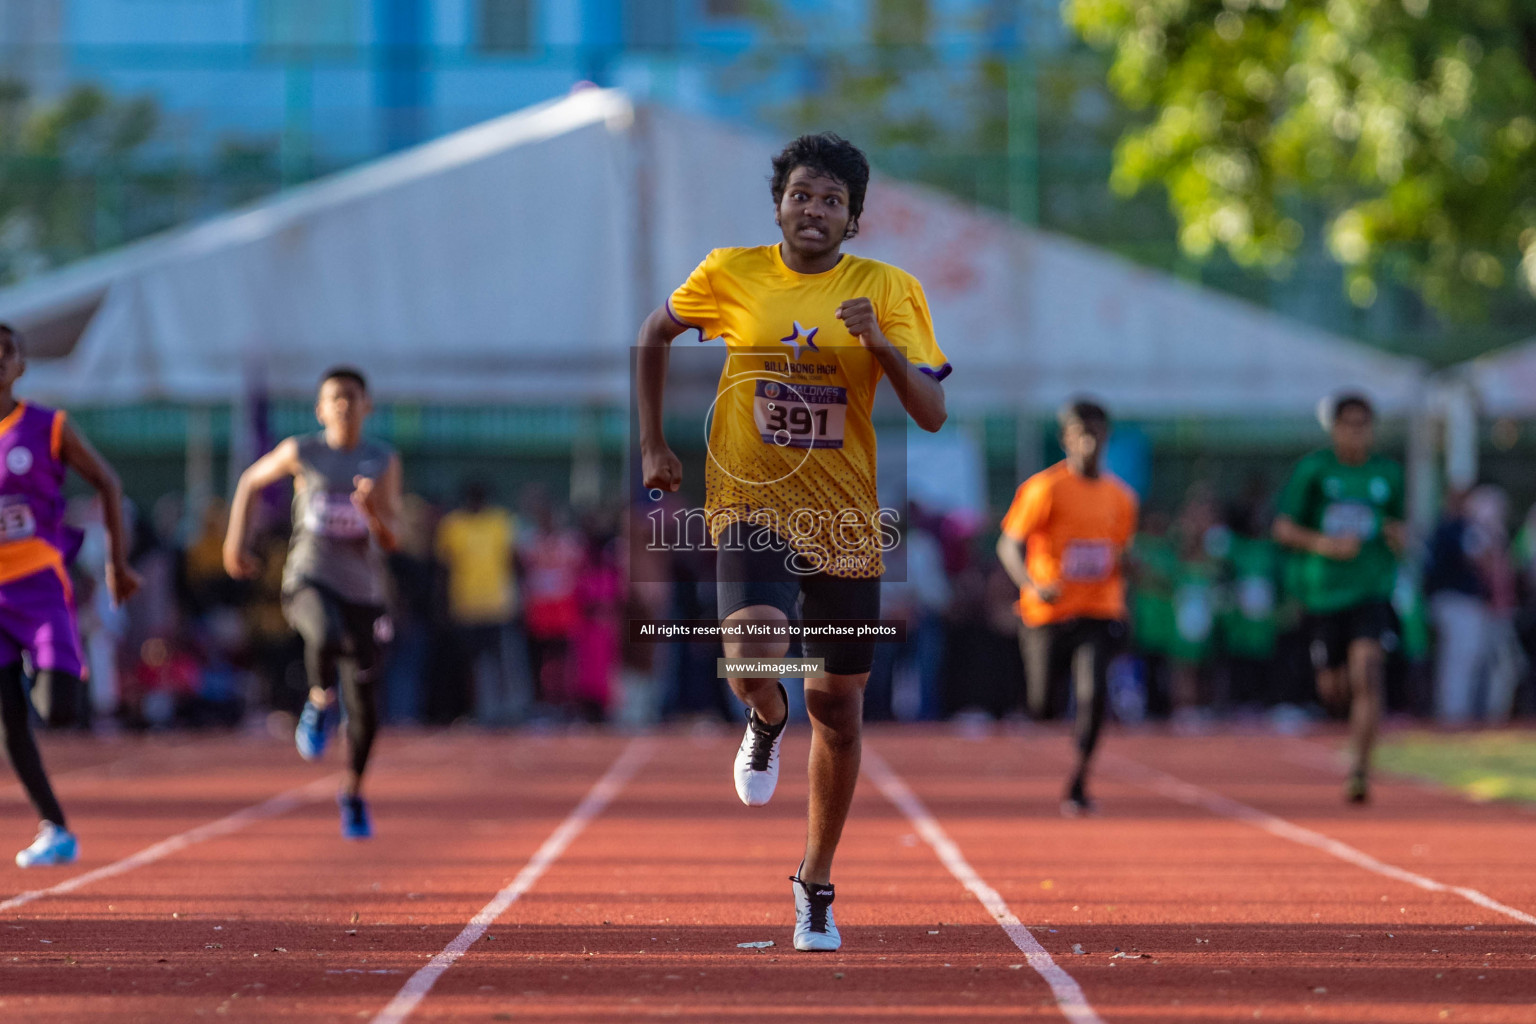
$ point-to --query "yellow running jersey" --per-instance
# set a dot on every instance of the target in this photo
(791, 441)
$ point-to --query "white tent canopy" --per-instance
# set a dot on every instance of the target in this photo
(514, 262)
(1503, 383)
(1030, 318)
(490, 265)
(1499, 384)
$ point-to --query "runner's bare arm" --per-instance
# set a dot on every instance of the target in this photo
(1010, 551)
(280, 462)
(1293, 535)
(380, 501)
(78, 454)
(921, 395)
(659, 467)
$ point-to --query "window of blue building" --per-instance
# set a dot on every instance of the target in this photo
(723, 10)
(507, 26)
(308, 22)
(650, 24)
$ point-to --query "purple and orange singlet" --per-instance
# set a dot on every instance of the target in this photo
(36, 603)
(33, 535)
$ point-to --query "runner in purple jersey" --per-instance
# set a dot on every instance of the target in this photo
(38, 447)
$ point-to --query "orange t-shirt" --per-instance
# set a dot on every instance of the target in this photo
(1074, 531)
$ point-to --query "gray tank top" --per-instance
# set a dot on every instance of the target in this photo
(332, 545)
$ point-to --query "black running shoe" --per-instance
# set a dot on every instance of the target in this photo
(1358, 789)
(1076, 804)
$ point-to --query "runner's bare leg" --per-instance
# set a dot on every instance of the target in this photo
(836, 706)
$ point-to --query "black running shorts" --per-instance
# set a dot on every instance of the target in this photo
(751, 568)
(1050, 656)
(1332, 633)
(328, 622)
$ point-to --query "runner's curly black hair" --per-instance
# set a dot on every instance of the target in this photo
(830, 155)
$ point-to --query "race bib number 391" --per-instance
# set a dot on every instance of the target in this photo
(800, 415)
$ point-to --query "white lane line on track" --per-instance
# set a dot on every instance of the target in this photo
(593, 804)
(272, 808)
(1175, 788)
(105, 767)
(1069, 995)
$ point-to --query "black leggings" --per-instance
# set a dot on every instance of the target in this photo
(341, 648)
(21, 745)
(1088, 645)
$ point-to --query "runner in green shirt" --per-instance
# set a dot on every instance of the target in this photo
(1344, 509)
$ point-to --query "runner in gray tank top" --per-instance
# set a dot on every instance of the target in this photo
(332, 546)
(346, 506)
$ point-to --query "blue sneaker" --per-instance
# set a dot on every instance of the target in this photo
(53, 846)
(312, 732)
(355, 821)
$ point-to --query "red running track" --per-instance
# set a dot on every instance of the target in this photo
(636, 910)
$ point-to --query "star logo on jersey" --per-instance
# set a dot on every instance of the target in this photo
(802, 338)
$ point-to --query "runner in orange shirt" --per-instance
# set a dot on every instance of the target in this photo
(1063, 540)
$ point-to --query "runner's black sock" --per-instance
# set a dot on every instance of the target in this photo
(1092, 701)
(21, 745)
(360, 699)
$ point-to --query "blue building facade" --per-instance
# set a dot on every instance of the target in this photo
(336, 81)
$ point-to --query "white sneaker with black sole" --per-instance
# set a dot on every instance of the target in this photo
(757, 759)
(815, 931)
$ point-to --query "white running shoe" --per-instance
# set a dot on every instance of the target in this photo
(814, 930)
(757, 759)
(53, 846)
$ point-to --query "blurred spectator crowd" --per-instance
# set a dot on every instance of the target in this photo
(506, 618)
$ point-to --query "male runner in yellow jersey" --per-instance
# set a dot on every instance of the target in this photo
(790, 479)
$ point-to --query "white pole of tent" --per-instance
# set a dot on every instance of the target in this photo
(643, 243)
(587, 459)
(1423, 483)
(199, 470)
(1028, 440)
(242, 435)
(1460, 411)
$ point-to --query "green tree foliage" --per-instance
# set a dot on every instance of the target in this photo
(937, 99)
(1411, 123)
(862, 90)
(60, 165)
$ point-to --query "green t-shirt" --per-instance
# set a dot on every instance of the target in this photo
(1250, 613)
(1413, 617)
(1337, 500)
(1152, 625)
(1196, 586)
